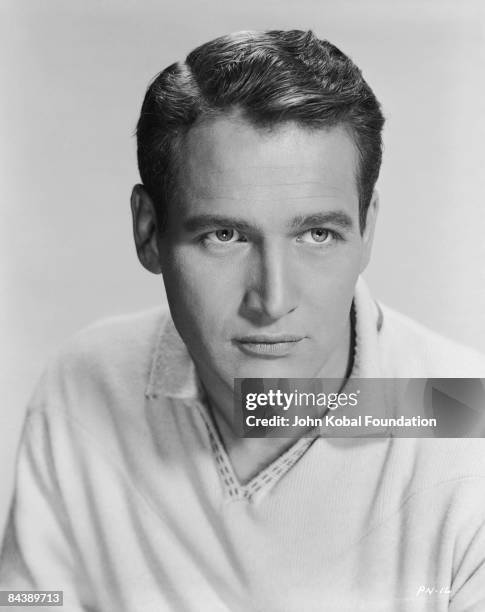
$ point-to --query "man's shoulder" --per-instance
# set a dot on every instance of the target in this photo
(105, 362)
(416, 351)
(117, 342)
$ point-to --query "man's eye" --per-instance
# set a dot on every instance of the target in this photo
(317, 235)
(224, 235)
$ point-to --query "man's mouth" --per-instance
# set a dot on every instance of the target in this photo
(268, 345)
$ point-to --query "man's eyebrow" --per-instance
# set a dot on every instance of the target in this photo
(335, 217)
(339, 219)
(204, 222)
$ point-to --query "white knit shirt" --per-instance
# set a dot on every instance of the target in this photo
(126, 500)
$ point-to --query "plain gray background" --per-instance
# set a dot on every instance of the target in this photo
(73, 78)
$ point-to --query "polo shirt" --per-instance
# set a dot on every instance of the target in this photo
(126, 499)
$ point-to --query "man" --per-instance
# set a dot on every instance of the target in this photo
(259, 156)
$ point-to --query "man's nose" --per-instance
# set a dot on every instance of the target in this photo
(272, 287)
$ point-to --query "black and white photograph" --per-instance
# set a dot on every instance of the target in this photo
(243, 306)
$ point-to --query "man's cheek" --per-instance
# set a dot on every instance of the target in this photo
(221, 282)
(207, 298)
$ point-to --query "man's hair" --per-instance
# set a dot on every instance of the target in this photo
(269, 78)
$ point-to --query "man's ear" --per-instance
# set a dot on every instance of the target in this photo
(370, 225)
(145, 229)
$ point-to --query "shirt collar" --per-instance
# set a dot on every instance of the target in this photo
(369, 321)
(173, 373)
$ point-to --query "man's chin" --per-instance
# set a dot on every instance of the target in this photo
(281, 368)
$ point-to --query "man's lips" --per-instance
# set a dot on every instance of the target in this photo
(268, 338)
(268, 345)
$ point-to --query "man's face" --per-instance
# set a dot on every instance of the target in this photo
(263, 249)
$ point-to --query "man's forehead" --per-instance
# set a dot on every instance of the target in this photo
(230, 159)
(231, 187)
